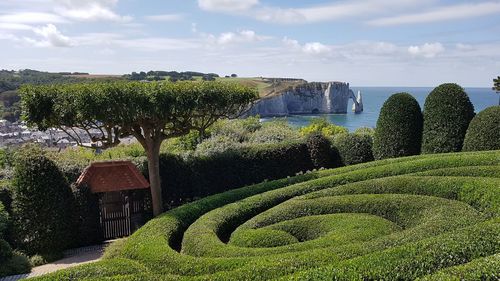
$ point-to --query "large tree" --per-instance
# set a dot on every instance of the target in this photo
(150, 112)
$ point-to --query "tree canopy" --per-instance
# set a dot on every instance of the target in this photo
(149, 111)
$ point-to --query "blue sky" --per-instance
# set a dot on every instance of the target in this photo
(364, 42)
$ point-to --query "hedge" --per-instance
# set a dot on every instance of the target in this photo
(394, 219)
(484, 131)
(447, 114)
(191, 177)
(42, 205)
(399, 128)
(354, 148)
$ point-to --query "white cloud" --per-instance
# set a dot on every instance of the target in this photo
(165, 17)
(30, 18)
(427, 50)
(454, 12)
(244, 36)
(14, 26)
(227, 5)
(51, 37)
(89, 10)
(316, 48)
(332, 11)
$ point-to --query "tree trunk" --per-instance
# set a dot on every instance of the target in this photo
(153, 154)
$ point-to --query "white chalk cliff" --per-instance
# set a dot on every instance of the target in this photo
(309, 98)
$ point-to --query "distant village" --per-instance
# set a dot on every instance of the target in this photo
(14, 134)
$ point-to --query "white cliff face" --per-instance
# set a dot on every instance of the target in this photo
(309, 98)
(357, 106)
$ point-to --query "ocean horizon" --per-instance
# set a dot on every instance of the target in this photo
(374, 98)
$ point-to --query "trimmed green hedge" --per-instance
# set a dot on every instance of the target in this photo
(394, 219)
(354, 148)
(42, 205)
(447, 114)
(195, 177)
(399, 128)
(484, 131)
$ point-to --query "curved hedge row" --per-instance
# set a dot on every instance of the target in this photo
(430, 216)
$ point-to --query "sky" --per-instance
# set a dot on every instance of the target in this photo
(363, 42)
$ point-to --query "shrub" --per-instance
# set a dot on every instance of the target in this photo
(484, 131)
(447, 114)
(399, 128)
(217, 144)
(354, 148)
(42, 204)
(196, 176)
(17, 264)
(365, 131)
(322, 126)
(320, 150)
(239, 129)
(274, 132)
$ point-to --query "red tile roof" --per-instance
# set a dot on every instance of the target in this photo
(112, 176)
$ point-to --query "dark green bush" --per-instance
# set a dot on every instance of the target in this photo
(195, 177)
(42, 204)
(320, 150)
(447, 114)
(5, 249)
(399, 128)
(354, 148)
(484, 131)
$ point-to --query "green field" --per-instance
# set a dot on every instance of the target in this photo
(435, 217)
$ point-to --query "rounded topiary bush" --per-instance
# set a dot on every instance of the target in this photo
(399, 128)
(447, 114)
(354, 148)
(484, 131)
(42, 204)
(320, 151)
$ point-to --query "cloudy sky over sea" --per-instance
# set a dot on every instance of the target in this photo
(364, 42)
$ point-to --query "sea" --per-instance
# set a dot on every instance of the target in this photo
(374, 98)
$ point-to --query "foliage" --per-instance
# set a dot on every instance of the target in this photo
(399, 128)
(10, 262)
(365, 131)
(274, 132)
(320, 151)
(447, 114)
(484, 131)
(496, 84)
(150, 112)
(170, 75)
(42, 204)
(195, 176)
(239, 130)
(354, 148)
(393, 219)
(322, 126)
(17, 264)
(217, 144)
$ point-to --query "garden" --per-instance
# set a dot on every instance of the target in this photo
(418, 197)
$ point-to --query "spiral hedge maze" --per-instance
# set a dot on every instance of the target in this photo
(430, 217)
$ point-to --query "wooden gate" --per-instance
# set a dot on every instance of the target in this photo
(121, 212)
